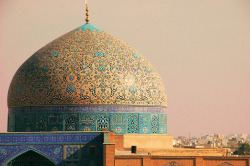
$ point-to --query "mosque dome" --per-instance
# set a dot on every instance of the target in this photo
(87, 80)
(86, 66)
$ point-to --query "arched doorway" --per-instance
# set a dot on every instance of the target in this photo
(30, 158)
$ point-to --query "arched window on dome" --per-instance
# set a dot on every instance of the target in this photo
(71, 122)
(41, 123)
(133, 123)
(154, 124)
(102, 122)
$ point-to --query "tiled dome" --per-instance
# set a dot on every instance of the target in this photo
(86, 66)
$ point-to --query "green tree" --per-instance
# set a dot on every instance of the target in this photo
(244, 149)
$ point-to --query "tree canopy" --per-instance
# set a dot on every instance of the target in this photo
(244, 149)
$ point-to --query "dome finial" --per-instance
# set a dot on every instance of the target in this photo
(87, 12)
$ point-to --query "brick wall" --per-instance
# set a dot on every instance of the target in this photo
(119, 141)
(129, 162)
(133, 160)
(233, 161)
(186, 152)
(108, 154)
(162, 161)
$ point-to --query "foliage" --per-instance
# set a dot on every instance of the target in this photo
(244, 149)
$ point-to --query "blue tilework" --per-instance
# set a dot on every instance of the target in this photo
(154, 123)
(11, 122)
(132, 126)
(87, 122)
(145, 125)
(121, 123)
(72, 152)
(54, 152)
(49, 138)
(118, 123)
(89, 27)
(90, 108)
(162, 123)
(102, 121)
(71, 122)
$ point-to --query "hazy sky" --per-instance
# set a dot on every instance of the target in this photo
(200, 48)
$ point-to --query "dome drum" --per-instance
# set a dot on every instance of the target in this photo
(140, 120)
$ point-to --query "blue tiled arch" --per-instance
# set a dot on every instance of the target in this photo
(25, 151)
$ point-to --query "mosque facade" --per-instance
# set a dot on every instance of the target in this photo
(85, 99)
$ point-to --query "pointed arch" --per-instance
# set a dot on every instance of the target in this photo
(172, 163)
(27, 150)
(225, 164)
